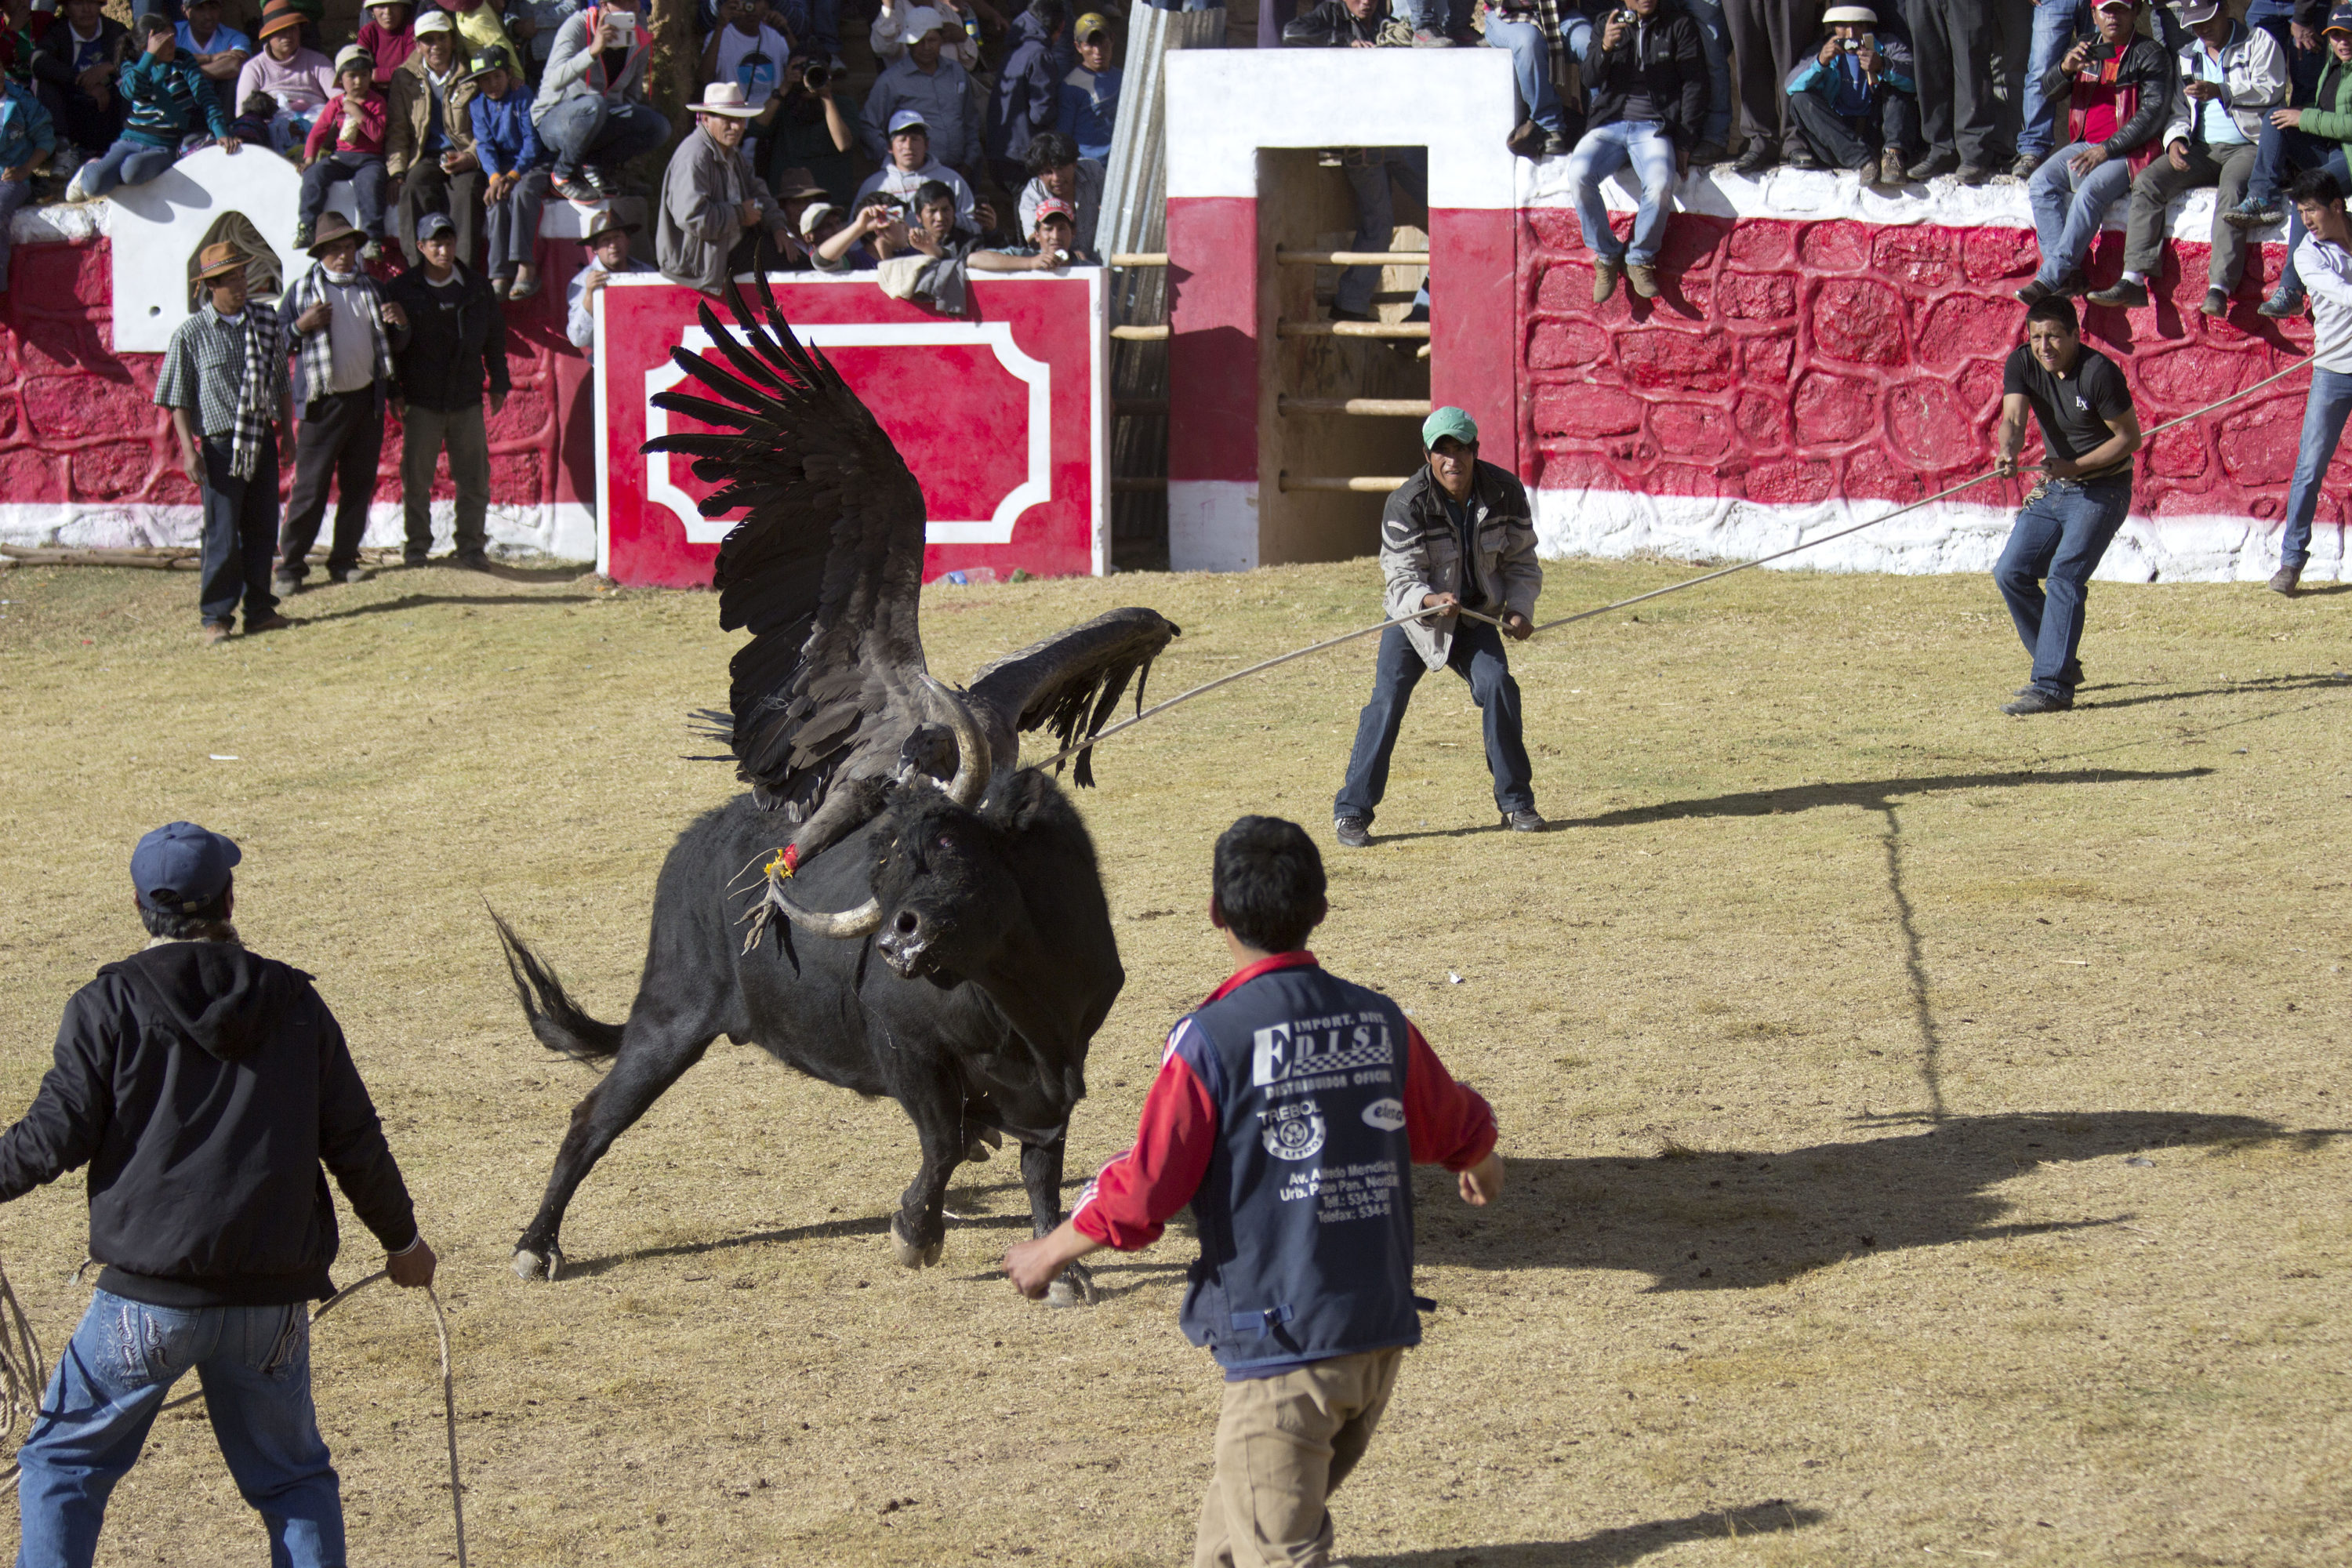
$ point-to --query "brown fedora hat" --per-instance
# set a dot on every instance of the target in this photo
(609, 222)
(332, 229)
(795, 184)
(213, 261)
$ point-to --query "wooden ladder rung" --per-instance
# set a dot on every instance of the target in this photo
(1290, 257)
(1376, 407)
(1140, 334)
(1351, 329)
(1358, 484)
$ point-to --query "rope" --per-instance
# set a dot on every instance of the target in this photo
(19, 1352)
(1159, 708)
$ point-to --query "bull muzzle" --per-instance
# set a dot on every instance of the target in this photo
(905, 945)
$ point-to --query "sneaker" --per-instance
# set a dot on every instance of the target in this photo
(1890, 167)
(2122, 294)
(272, 622)
(1973, 173)
(1422, 38)
(2025, 166)
(2032, 701)
(1754, 159)
(1353, 831)
(1933, 164)
(2285, 304)
(1707, 155)
(1524, 820)
(1604, 282)
(78, 189)
(2033, 294)
(2252, 214)
(219, 632)
(597, 180)
(1642, 279)
(285, 585)
(1800, 158)
(301, 237)
(572, 188)
(349, 575)
(2217, 302)
(2285, 579)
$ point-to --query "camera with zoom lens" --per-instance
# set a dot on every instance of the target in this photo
(814, 75)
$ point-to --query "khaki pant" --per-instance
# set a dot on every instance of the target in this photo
(1284, 1445)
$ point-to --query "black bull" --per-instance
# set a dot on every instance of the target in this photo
(972, 1006)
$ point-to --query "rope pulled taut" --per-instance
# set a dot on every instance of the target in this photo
(1182, 696)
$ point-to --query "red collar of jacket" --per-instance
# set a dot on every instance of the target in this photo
(1302, 959)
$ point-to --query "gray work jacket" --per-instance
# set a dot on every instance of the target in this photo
(1421, 554)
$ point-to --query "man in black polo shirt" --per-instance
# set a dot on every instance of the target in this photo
(2078, 397)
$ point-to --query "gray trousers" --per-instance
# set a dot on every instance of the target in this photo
(513, 225)
(423, 433)
(1368, 171)
(1767, 38)
(2160, 184)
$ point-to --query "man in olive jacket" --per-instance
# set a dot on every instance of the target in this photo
(203, 1086)
(1458, 541)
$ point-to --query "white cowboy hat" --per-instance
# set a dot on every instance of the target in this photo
(1858, 15)
(724, 98)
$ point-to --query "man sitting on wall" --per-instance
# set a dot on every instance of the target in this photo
(2231, 75)
(1648, 83)
(218, 52)
(2123, 93)
(1855, 103)
(170, 101)
(429, 135)
(74, 70)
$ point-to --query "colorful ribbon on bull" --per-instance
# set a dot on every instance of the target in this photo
(1159, 708)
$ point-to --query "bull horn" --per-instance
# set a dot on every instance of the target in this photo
(847, 924)
(973, 764)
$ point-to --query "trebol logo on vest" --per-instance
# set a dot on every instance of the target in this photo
(1304, 1053)
(1293, 1130)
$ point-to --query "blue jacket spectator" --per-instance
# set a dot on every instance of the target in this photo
(1087, 103)
(27, 139)
(169, 100)
(1028, 88)
(1855, 102)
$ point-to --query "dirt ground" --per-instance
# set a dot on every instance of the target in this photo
(1926, 1128)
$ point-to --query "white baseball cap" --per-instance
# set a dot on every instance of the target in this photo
(919, 20)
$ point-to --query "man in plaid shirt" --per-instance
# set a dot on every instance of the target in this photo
(344, 334)
(224, 379)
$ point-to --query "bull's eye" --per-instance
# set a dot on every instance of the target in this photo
(947, 841)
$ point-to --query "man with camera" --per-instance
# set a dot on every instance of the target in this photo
(813, 134)
(591, 110)
(2122, 92)
(1855, 103)
(1647, 76)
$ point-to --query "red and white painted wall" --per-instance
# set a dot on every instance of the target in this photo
(1824, 352)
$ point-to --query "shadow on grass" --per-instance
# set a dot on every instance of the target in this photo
(1873, 795)
(1731, 1220)
(421, 601)
(2266, 684)
(1608, 1548)
(822, 1230)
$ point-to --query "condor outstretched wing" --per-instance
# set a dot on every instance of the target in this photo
(1068, 683)
(826, 568)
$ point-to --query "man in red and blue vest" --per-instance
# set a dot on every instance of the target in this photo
(1286, 1112)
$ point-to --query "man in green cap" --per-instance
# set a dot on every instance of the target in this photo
(1457, 536)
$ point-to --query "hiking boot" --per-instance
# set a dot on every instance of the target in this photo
(2283, 305)
(2217, 302)
(285, 585)
(1890, 167)
(2033, 701)
(1754, 159)
(2284, 580)
(219, 632)
(1643, 278)
(1933, 164)
(272, 622)
(349, 574)
(1605, 281)
(1423, 39)
(2033, 294)
(572, 188)
(1973, 173)
(1353, 831)
(1800, 158)
(2074, 285)
(1524, 820)
(2123, 294)
(2252, 214)
(2025, 166)
(301, 237)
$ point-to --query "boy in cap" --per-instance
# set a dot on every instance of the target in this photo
(1087, 106)
(170, 101)
(204, 1087)
(1286, 1113)
(608, 255)
(514, 185)
(347, 144)
(1053, 244)
(223, 376)
(1853, 105)
(1456, 537)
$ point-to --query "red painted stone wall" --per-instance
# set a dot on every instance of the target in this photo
(78, 423)
(1793, 362)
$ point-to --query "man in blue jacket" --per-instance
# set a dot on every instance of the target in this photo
(1854, 102)
(203, 1086)
(1287, 1112)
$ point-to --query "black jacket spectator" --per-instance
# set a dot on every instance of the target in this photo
(1331, 26)
(1028, 85)
(1662, 60)
(2143, 81)
(202, 1085)
(79, 117)
(457, 338)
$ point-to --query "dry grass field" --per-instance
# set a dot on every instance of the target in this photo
(1927, 1128)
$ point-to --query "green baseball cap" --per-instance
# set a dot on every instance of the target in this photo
(1448, 421)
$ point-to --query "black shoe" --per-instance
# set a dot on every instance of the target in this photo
(2033, 294)
(2217, 302)
(2123, 294)
(1973, 173)
(2285, 580)
(572, 188)
(1754, 159)
(285, 585)
(1353, 831)
(1800, 158)
(2033, 701)
(1933, 164)
(470, 561)
(414, 558)
(1524, 820)
(349, 574)
(1555, 146)
(1707, 155)
(2074, 286)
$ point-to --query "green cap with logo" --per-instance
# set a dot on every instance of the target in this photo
(1448, 421)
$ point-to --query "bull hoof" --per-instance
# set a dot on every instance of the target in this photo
(530, 1264)
(909, 1255)
(1076, 1288)
(976, 1152)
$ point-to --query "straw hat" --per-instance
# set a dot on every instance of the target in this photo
(218, 260)
(724, 98)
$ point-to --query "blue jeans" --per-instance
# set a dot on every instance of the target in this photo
(2056, 22)
(1477, 658)
(13, 194)
(365, 171)
(240, 534)
(2060, 536)
(2322, 427)
(2068, 209)
(255, 1365)
(1604, 150)
(127, 163)
(586, 129)
(1530, 68)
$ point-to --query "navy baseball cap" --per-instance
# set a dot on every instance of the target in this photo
(2339, 20)
(181, 864)
(432, 223)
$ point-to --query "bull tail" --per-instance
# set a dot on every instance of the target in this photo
(555, 1018)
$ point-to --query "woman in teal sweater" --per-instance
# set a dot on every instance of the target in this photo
(170, 101)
